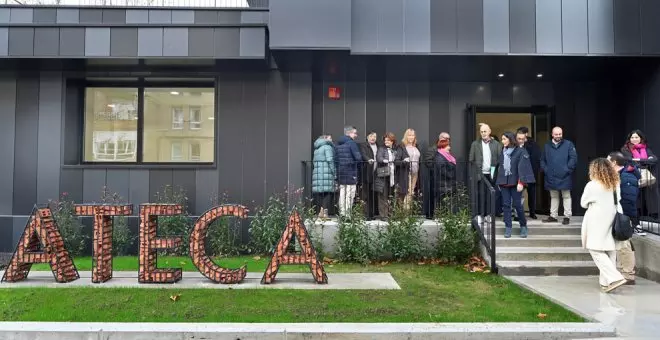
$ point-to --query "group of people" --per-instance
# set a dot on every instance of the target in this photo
(385, 172)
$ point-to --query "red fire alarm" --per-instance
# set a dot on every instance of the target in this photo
(334, 92)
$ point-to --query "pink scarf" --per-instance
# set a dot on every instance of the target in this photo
(639, 151)
(448, 156)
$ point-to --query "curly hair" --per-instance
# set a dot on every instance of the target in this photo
(601, 170)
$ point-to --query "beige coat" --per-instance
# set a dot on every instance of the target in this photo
(597, 222)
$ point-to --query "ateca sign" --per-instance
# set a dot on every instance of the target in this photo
(41, 242)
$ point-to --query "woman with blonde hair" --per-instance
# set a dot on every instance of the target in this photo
(601, 198)
(409, 142)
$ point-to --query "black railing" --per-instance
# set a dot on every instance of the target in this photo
(483, 196)
(648, 202)
(261, 4)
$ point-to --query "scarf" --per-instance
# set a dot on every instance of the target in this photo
(450, 158)
(507, 161)
(639, 151)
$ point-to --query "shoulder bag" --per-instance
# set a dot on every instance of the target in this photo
(622, 228)
(646, 179)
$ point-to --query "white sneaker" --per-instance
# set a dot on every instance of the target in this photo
(639, 231)
(480, 219)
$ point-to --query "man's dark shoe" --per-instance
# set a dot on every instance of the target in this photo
(550, 219)
(533, 216)
(566, 221)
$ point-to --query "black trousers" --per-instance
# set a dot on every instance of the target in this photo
(322, 200)
(531, 198)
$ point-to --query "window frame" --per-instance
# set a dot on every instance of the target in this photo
(191, 109)
(183, 118)
(190, 151)
(141, 85)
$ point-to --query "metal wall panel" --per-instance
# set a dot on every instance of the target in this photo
(253, 121)
(601, 26)
(417, 26)
(522, 14)
(21, 15)
(300, 120)
(418, 111)
(444, 34)
(25, 145)
(5, 15)
(159, 16)
(229, 158)
(627, 27)
(158, 180)
(91, 16)
(72, 42)
(138, 187)
(501, 94)
(496, 26)
(97, 42)
(277, 126)
(206, 17)
(364, 25)
(206, 190)
(123, 42)
(470, 26)
(68, 16)
(650, 26)
(355, 96)
(4, 41)
(396, 101)
(575, 36)
(548, 27)
(46, 41)
(229, 17)
(71, 182)
(438, 109)
(45, 15)
(114, 16)
(175, 41)
(333, 110)
(6, 234)
(252, 42)
(21, 41)
(390, 26)
(137, 16)
(250, 17)
(185, 179)
(150, 42)
(198, 42)
(93, 182)
(50, 136)
(376, 106)
(227, 42)
(183, 17)
(7, 135)
(118, 181)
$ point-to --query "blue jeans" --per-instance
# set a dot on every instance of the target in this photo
(511, 195)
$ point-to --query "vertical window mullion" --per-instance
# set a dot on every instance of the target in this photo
(140, 124)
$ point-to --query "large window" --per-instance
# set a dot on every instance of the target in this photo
(149, 124)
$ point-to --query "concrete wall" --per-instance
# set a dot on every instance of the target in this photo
(647, 256)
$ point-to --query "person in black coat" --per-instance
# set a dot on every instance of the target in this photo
(514, 172)
(429, 177)
(534, 152)
(389, 156)
(637, 150)
(368, 150)
(444, 168)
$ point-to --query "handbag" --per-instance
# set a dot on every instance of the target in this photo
(383, 171)
(646, 179)
(622, 228)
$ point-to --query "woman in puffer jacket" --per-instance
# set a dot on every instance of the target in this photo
(323, 174)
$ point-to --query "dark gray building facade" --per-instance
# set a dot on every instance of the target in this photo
(229, 100)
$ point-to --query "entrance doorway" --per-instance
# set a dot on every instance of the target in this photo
(538, 119)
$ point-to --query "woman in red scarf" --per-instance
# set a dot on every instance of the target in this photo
(637, 150)
(444, 166)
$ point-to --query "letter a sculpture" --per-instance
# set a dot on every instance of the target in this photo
(41, 242)
(307, 255)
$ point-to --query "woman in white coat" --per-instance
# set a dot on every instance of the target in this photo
(598, 199)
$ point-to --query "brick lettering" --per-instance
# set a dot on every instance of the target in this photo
(150, 243)
(202, 261)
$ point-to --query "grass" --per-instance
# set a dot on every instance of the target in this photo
(430, 293)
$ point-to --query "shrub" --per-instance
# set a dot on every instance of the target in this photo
(70, 227)
(355, 243)
(456, 238)
(404, 237)
(179, 225)
(122, 238)
(223, 237)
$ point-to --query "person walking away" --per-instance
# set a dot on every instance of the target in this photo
(445, 171)
(629, 176)
(483, 158)
(409, 142)
(601, 200)
(558, 162)
(636, 149)
(368, 150)
(348, 156)
(513, 174)
(323, 174)
(534, 152)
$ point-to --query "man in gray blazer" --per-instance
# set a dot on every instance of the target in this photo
(484, 157)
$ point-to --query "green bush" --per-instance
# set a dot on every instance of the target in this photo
(403, 239)
(456, 238)
(223, 237)
(179, 225)
(122, 238)
(355, 243)
(70, 227)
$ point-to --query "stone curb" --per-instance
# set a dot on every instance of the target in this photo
(245, 331)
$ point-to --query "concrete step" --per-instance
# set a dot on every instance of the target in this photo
(530, 223)
(547, 268)
(542, 254)
(539, 241)
(542, 230)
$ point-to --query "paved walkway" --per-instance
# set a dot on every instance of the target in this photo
(196, 280)
(633, 310)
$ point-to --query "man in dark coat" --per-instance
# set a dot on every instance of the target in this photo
(367, 169)
(348, 159)
(534, 153)
(558, 162)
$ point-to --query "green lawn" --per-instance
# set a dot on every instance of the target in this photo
(430, 293)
